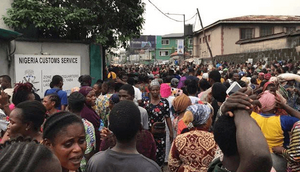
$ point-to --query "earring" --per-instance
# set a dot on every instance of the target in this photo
(26, 129)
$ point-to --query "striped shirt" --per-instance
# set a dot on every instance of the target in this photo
(292, 154)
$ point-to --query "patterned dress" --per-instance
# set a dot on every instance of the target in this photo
(90, 138)
(192, 151)
(102, 104)
(157, 113)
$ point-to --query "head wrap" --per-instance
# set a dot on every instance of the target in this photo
(174, 82)
(245, 79)
(165, 90)
(154, 83)
(205, 76)
(180, 103)
(85, 90)
(267, 76)
(201, 113)
(267, 101)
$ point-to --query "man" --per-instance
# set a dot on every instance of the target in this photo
(240, 139)
(56, 88)
(126, 92)
(97, 87)
(85, 80)
(137, 92)
(51, 103)
(5, 82)
(125, 124)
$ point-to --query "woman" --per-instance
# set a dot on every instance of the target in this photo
(180, 104)
(27, 156)
(89, 113)
(108, 89)
(64, 135)
(194, 150)
(26, 120)
(158, 112)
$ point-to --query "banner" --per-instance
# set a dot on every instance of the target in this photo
(180, 46)
(39, 70)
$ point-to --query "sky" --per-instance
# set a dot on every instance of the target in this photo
(210, 10)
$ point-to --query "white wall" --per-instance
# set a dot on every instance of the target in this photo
(35, 48)
(4, 5)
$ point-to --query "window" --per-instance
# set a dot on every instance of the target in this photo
(204, 39)
(190, 41)
(165, 42)
(163, 53)
(200, 40)
(290, 29)
(208, 38)
(247, 33)
(266, 30)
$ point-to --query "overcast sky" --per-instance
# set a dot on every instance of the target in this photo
(210, 10)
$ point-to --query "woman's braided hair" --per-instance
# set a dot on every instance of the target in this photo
(22, 154)
(57, 122)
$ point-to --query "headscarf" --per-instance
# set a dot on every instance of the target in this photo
(267, 101)
(267, 76)
(201, 113)
(154, 83)
(85, 90)
(180, 103)
(174, 82)
(165, 90)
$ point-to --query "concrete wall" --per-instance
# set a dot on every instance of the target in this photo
(52, 48)
(279, 54)
(6, 67)
(264, 45)
(4, 5)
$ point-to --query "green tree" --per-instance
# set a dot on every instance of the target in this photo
(102, 21)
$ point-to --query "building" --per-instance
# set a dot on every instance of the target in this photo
(142, 49)
(248, 34)
(28, 58)
(167, 44)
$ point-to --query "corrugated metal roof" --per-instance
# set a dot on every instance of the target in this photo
(264, 18)
(256, 19)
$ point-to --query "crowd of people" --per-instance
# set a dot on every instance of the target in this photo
(190, 118)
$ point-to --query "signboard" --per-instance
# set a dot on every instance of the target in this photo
(143, 42)
(39, 70)
(180, 46)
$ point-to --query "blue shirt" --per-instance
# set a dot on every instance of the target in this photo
(61, 94)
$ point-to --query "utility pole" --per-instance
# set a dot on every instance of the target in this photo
(183, 36)
(211, 57)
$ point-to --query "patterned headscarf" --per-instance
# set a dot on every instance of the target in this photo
(154, 83)
(180, 103)
(201, 113)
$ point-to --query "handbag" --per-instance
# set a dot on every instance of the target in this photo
(158, 129)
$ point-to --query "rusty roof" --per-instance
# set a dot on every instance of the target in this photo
(264, 18)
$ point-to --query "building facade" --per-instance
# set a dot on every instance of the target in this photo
(167, 45)
(246, 34)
